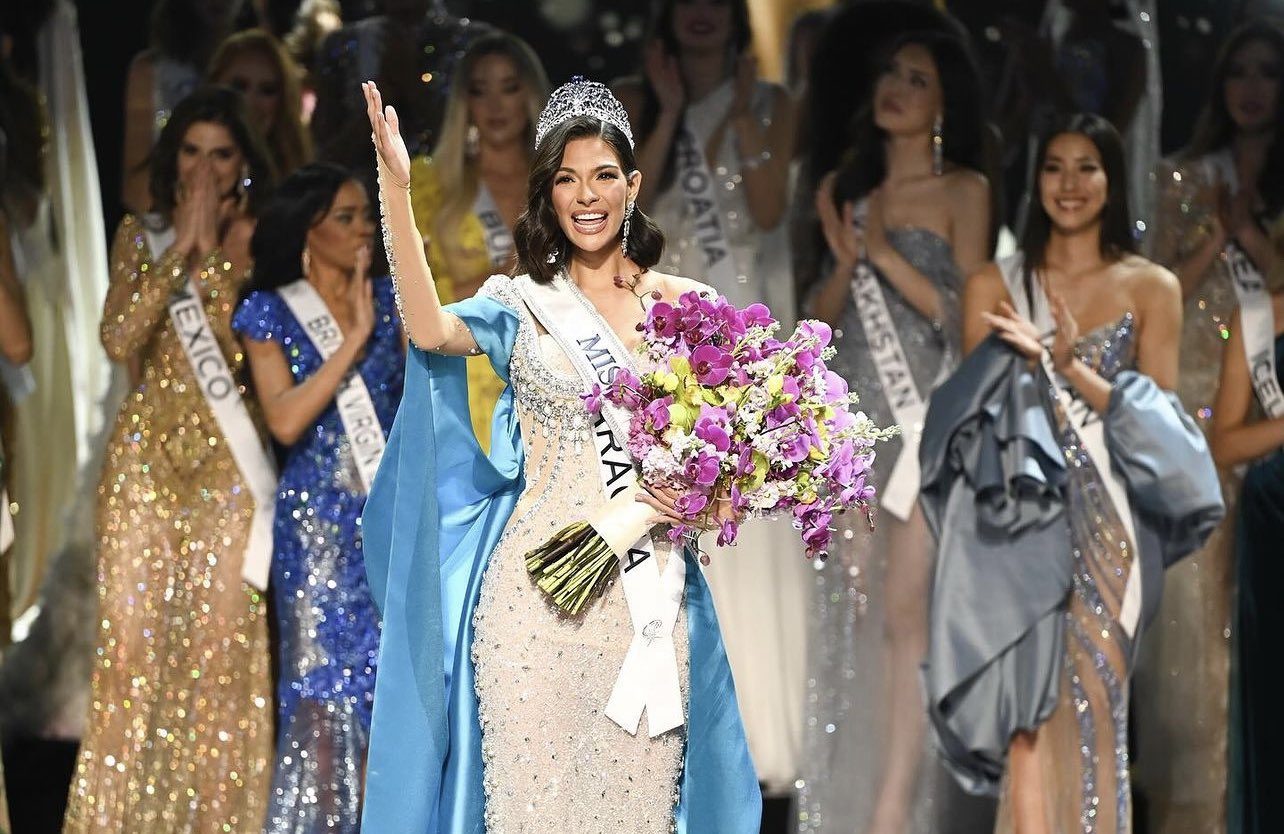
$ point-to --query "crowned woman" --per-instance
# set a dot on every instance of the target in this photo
(495, 709)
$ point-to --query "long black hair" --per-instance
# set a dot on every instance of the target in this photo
(661, 30)
(1215, 129)
(217, 105)
(962, 127)
(1116, 225)
(281, 234)
(542, 247)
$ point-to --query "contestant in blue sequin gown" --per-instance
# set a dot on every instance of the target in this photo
(328, 623)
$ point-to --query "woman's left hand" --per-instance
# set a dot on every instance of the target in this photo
(1063, 341)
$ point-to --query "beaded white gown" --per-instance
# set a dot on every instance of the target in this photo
(552, 760)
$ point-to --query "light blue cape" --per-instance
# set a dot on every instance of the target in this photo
(436, 511)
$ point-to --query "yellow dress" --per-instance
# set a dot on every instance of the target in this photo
(179, 735)
(463, 254)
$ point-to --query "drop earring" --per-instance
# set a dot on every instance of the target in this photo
(472, 141)
(624, 236)
(938, 146)
(306, 261)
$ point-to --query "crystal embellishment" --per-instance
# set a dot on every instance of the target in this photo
(580, 97)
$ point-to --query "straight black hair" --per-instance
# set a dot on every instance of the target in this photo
(281, 234)
(1116, 225)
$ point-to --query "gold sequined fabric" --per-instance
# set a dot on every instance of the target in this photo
(1183, 672)
(179, 734)
(552, 760)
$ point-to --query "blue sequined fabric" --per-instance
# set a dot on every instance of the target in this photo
(327, 620)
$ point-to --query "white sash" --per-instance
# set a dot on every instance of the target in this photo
(1090, 428)
(187, 314)
(1256, 328)
(702, 215)
(356, 409)
(909, 409)
(649, 677)
(497, 235)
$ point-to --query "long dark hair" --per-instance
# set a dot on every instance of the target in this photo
(1116, 226)
(661, 29)
(218, 105)
(962, 127)
(1215, 129)
(542, 248)
(281, 233)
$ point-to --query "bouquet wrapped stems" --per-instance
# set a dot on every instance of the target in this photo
(576, 564)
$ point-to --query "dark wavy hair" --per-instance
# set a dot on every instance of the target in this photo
(542, 248)
(1215, 129)
(218, 105)
(281, 233)
(661, 29)
(1116, 227)
(864, 164)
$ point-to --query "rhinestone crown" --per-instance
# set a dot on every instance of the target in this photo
(579, 97)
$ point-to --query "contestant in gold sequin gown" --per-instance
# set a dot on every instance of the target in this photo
(180, 724)
(1182, 676)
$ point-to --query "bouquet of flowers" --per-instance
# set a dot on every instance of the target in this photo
(724, 412)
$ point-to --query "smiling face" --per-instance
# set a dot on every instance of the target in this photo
(343, 230)
(1073, 187)
(497, 101)
(590, 192)
(1252, 86)
(255, 76)
(702, 25)
(908, 95)
(211, 143)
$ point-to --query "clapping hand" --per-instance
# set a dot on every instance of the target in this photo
(1023, 336)
(385, 132)
(196, 211)
(846, 242)
(665, 77)
(361, 298)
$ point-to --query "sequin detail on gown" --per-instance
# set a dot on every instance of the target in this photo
(180, 721)
(1082, 748)
(552, 760)
(328, 623)
(847, 714)
(1180, 740)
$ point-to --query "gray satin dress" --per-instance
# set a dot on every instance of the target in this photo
(847, 709)
(1030, 627)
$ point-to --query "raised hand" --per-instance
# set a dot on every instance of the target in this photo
(385, 131)
(665, 77)
(361, 298)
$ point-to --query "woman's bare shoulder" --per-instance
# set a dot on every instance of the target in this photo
(673, 286)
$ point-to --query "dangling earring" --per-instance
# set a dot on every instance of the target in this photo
(472, 141)
(624, 237)
(552, 257)
(938, 146)
(243, 187)
(306, 261)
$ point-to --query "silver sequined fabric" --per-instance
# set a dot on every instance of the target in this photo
(853, 608)
(552, 760)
